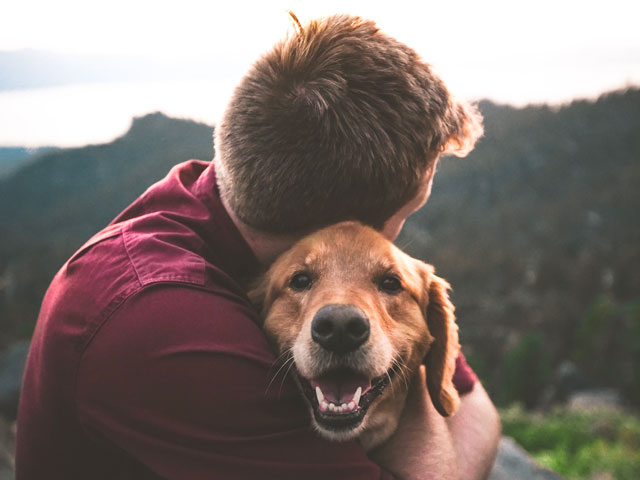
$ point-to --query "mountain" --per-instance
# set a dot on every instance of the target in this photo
(13, 157)
(537, 231)
(53, 205)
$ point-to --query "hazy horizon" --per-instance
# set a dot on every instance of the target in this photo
(553, 53)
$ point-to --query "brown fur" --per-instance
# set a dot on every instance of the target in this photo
(415, 325)
(326, 125)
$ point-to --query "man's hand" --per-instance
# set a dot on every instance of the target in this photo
(428, 446)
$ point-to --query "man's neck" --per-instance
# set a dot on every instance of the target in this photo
(265, 246)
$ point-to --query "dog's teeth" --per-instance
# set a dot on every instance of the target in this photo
(319, 395)
(356, 396)
(332, 407)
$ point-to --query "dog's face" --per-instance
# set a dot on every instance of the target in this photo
(358, 316)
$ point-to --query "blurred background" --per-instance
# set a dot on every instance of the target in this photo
(538, 230)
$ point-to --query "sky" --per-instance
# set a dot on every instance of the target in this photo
(513, 51)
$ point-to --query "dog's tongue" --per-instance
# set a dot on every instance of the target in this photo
(340, 387)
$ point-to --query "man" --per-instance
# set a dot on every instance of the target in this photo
(148, 360)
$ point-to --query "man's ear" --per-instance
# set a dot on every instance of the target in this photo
(440, 361)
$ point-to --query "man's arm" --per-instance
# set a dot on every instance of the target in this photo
(475, 431)
(428, 446)
(187, 387)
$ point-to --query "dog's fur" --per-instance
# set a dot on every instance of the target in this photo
(347, 264)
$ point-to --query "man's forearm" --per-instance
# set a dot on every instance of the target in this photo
(428, 446)
(475, 430)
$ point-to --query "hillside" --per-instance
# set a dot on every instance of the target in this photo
(11, 158)
(51, 206)
(537, 231)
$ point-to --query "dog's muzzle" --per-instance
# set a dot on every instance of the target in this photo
(341, 395)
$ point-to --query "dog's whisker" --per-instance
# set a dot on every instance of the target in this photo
(289, 361)
(407, 244)
(390, 382)
(278, 363)
(280, 358)
(406, 376)
(291, 364)
(403, 371)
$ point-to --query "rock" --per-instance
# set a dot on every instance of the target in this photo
(7, 434)
(12, 363)
(596, 399)
(567, 379)
(514, 463)
(6, 473)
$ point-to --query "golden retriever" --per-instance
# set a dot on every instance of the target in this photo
(358, 316)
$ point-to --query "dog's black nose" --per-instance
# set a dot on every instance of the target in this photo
(340, 328)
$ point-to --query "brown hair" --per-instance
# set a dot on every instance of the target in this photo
(336, 122)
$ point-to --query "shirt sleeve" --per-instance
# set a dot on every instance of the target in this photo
(464, 378)
(183, 380)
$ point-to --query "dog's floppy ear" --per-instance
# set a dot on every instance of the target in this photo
(440, 361)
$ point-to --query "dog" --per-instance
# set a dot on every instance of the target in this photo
(357, 317)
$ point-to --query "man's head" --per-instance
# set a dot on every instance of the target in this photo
(336, 122)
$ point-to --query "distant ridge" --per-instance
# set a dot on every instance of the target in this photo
(11, 158)
(80, 189)
(54, 204)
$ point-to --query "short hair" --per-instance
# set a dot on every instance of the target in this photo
(336, 122)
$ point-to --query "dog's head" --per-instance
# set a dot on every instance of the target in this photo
(358, 316)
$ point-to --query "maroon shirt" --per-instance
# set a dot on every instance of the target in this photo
(148, 361)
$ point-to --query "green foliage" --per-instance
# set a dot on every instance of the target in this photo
(579, 445)
(632, 341)
(527, 370)
(607, 343)
(593, 329)
(479, 365)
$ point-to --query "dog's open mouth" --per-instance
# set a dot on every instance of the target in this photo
(340, 398)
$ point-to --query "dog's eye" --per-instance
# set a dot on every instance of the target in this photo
(390, 284)
(300, 281)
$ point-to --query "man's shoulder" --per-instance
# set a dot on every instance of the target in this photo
(151, 247)
(163, 251)
(175, 234)
(188, 318)
(127, 262)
